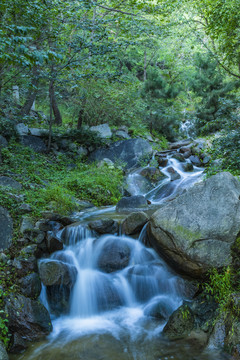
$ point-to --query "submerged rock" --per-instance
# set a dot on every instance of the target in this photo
(114, 256)
(152, 174)
(132, 202)
(196, 230)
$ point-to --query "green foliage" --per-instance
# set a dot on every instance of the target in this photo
(220, 286)
(3, 320)
(160, 93)
(216, 101)
(101, 185)
(226, 153)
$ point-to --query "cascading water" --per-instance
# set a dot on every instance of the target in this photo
(122, 293)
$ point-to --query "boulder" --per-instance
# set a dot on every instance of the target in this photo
(31, 285)
(162, 160)
(17, 345)
(29, 318)
(153, 174)
(129, 152)
(104, 226)
(26, 224)
(180, 323)
(6, 229)
(53, 243)
(174, 175)
(53, 272)
(196, 230)
(187, 167)
(3, 352)
(3, 142)
(21, 129)
(38, 132)
(114, 256)
(34, 142)
(132, 202)
(122, 134)
(195, 160)
(134, 222)
(102, 130)
(179, 157)
(9, 182)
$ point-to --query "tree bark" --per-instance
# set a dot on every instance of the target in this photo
(32, 93)
(81, 114)
(54, 105)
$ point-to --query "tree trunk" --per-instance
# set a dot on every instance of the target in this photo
(56, 111)
(145, 66)
(32, 93)
(50, 115)
(81, 114)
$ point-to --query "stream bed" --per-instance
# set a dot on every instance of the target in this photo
(123, 291)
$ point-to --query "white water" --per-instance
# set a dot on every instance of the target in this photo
(111, 308)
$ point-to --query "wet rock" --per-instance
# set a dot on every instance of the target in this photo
(152, 174)
(58, 299)
(6, 181)
(179, 144)
(31, 285)
(6, 229)
(114, 256)
(187, 167)
(131, 202)
(104, 226)
(134, 222)
(180, 323)
(102, 130)
(162, 161)
(28, 318)
(34, 142)
(195, 160)
(173, 173)
(159, 310)
(129, 152)
(53, 243)
(179, 157)
(196, 230)
(17, 345)
(48, 225)
(3, 352)
(107, 296)
(53, 272)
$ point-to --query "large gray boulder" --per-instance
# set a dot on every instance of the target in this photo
(6, 229)
(129, 152)
(196, 230)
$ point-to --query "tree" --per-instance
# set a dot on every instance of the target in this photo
(208, 83)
